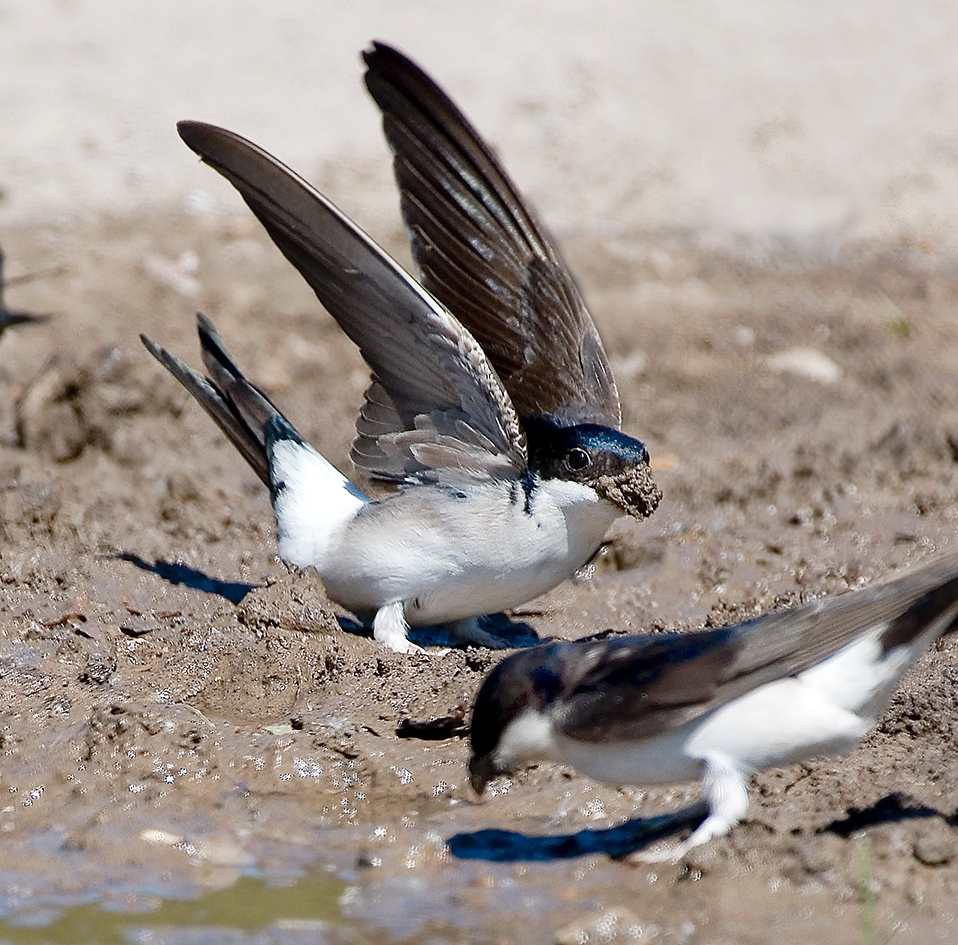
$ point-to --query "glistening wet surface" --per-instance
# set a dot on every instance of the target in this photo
(251, 909)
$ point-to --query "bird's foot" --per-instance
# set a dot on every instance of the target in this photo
(669, 853)
(709, 829)
(469, 631)
(727, 798)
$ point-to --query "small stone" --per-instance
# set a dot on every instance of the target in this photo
(99, 668)
(139, 627)
(806, 362)
(934, 849)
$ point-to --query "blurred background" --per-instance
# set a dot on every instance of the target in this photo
(813, 124)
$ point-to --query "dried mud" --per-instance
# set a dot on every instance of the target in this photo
(180, 711)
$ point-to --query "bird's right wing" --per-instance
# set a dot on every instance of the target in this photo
(435, 403)
(639, 687)
(480, 250)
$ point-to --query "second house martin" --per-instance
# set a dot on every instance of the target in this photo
(714, 705)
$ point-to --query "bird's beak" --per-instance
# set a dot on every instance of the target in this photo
(481, 772)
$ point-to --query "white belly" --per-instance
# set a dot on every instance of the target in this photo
(453, 555)
(777, 724)
(662, 760)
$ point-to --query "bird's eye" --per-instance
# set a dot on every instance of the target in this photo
(577, 458)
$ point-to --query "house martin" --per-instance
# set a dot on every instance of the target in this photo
(715, 705)
(10, 318)
(492, 405)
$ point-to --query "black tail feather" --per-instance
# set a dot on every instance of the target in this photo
(938, 606)
(239, 408)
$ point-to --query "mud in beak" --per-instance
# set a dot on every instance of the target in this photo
(634, 491)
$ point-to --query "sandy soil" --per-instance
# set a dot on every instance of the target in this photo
(180, 711)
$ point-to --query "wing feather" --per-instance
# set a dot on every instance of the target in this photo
(482, 253)
(638, 687)
(425, 364)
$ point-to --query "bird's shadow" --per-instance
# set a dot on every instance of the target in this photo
(892, 808)
(510, 846)
(516, 632)
(233, 591)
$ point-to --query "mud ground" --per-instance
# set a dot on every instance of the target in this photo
(180, 711)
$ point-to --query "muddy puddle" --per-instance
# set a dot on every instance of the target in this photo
(196, 747)
(251, 909)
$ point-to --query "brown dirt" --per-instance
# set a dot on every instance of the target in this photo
(179, 710)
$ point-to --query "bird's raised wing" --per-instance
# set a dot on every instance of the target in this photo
(482, 253)
(435, 403)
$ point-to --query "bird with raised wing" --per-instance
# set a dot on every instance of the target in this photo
(492, 405)
(715, 705)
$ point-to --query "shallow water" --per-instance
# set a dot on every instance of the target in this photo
(250, 910)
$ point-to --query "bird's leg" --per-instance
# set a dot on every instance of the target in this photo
(725, 787)
(390, 628)
(469, 631)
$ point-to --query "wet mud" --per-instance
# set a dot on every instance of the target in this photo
(183, 715)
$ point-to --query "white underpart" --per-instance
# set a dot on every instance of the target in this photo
(452, 555)
(529, 737)
(860, 678)
(313, 502)
(825, 710)
(431, 554)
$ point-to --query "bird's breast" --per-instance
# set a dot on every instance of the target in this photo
(456, 553)
(657, 760)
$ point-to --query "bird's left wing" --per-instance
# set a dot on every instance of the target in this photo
(638, 687)
(435, 403)
(791, 641)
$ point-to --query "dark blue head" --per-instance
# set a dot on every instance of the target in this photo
(581, 452)
(615, 464)
(529, 679)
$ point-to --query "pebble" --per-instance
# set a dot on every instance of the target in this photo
(934, 849)
(806, 362)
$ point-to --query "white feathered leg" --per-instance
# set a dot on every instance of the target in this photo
(390, 628)
(726, 791)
